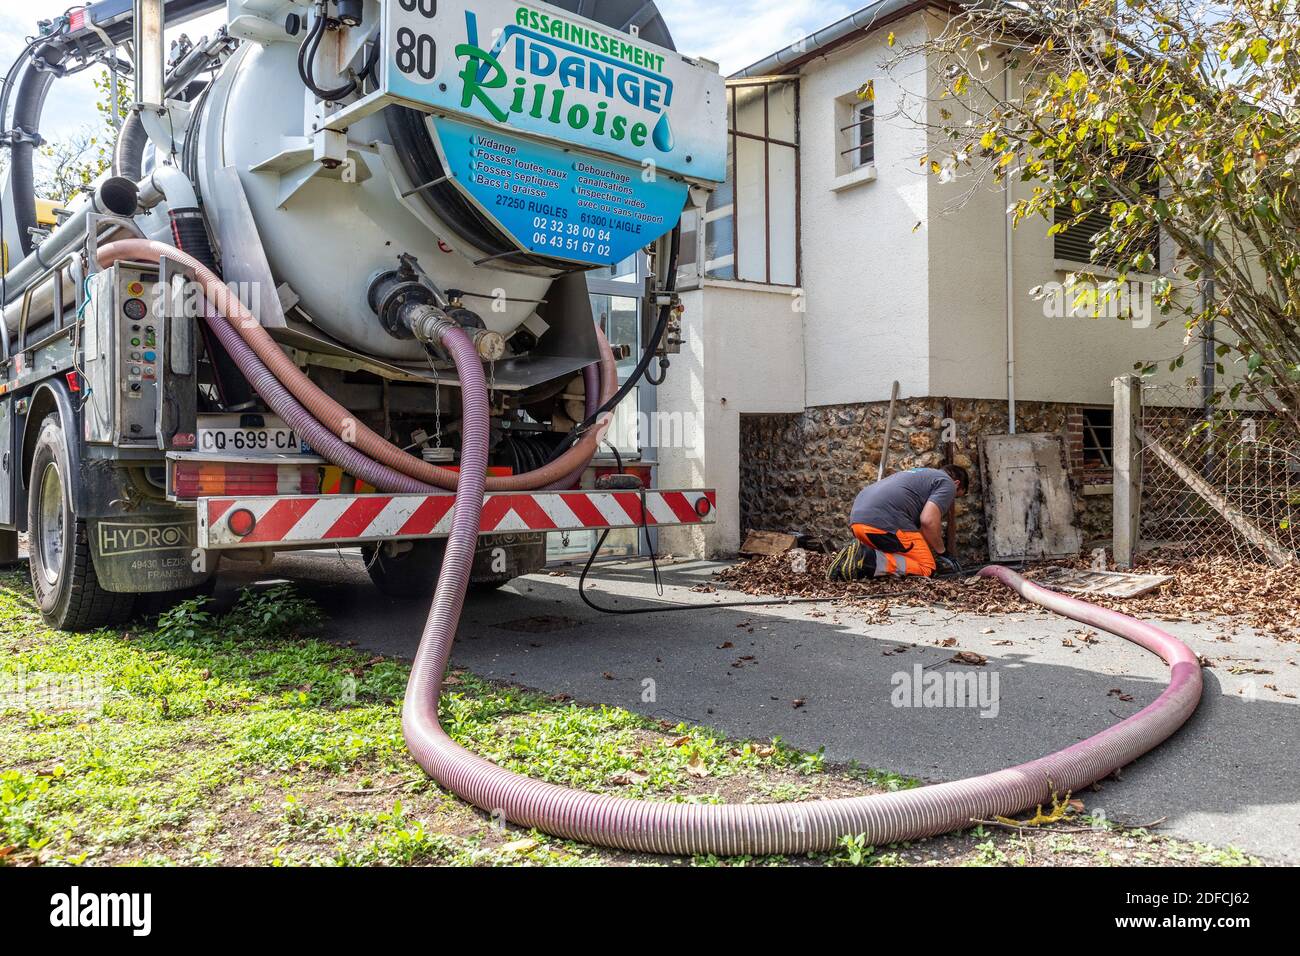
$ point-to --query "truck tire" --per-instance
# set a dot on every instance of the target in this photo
(62, 571)
(407, 574)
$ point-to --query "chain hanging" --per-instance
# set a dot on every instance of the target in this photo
(437, 415)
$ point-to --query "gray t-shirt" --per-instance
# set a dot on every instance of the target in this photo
(895, 503)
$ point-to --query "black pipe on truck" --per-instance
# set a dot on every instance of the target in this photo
(32, 90)
(190, 233)
(128, 154)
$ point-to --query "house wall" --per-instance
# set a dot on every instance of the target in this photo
(865, 270)
(742, 355)
(839, 449)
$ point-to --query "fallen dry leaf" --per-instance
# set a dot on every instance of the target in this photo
(626, 778)
(520, 846)
(1255, 595)
(969, 657)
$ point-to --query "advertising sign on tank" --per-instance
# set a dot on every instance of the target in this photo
(536, 69)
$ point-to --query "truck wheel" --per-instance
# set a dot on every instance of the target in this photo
(62, 571)
(408, 574)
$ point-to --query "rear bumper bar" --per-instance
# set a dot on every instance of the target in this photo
(294, 521)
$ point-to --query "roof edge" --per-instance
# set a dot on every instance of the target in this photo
(854, 26)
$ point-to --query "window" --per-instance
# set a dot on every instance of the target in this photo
(1098, 428)
(1075, 243)
(616, 306)
(749, 231)
(855, 133)
(862, 136)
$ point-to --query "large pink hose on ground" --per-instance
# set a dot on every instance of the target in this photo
(333, 415)
(787, 828)
(677, 828)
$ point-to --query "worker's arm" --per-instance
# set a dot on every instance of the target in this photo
(932, 526)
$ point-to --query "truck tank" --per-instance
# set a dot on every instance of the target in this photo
(327, 229)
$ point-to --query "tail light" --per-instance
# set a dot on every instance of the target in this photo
(207, 479)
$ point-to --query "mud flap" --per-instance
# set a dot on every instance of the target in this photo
(147, 552)
(503, 557)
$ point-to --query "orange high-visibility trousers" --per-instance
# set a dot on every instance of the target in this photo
(915, 558)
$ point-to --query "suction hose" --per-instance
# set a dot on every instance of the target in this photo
(676, 828)
(787, 828)
(338, 420)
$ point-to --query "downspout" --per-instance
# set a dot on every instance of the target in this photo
(1209, 362)
(1008, 246)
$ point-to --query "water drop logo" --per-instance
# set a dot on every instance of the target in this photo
(544, 71)
(662, 136)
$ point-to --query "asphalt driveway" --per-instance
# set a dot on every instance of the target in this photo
(820, 677)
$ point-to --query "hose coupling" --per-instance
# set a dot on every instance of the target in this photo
(489, 345)
(428, 323)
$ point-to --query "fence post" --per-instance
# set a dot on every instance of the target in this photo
(1127, 458)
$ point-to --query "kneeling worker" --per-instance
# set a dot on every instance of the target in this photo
(899, 520)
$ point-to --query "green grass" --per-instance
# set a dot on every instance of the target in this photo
(209, 729)
(200, 739)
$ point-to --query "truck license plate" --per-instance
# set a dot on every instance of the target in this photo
(279, 440)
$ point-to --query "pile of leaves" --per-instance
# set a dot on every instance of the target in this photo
(802, 574)
(1222, 589)
(1254, 595)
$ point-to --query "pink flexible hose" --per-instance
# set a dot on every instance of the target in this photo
(333, 415)
(679, 828)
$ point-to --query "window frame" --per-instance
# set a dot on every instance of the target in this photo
(705, 268)
(862, 151)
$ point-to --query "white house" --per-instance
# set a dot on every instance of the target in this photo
(833, 264)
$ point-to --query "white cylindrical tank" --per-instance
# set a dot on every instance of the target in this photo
(328, 239)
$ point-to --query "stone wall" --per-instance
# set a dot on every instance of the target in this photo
(800, 473)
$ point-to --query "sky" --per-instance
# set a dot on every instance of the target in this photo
(730, 32)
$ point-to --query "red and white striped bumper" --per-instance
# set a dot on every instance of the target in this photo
(297, 520)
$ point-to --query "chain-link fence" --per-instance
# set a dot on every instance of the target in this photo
(1226, 484)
